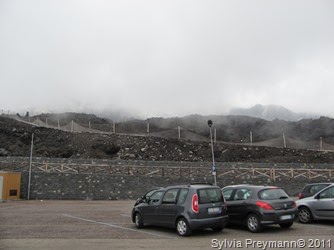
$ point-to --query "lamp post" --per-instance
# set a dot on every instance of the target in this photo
(30, 163)
(213, 155)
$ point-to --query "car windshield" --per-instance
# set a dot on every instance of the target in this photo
(273, 194)
(210, 195)
(149, 193)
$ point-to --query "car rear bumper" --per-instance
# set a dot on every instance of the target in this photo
(285, 216)
(208, 222)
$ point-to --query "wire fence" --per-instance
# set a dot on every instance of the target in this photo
(177, 132)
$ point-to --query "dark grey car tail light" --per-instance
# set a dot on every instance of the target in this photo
(264, 205)
(194, 203)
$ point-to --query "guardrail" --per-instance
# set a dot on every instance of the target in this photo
(279, 173)
(273, 173)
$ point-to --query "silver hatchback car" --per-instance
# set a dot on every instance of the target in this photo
(317, 207)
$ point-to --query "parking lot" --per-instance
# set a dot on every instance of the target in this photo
(52, 224)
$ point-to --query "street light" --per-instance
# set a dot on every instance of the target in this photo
(213, 155)
(30, 162)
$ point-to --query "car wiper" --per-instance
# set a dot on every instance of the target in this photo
(283, 197)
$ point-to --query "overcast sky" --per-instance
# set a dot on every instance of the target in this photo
(166, 58)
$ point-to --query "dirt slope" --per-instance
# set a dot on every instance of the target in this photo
(15, 140)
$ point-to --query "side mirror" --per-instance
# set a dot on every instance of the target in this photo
(317, 197)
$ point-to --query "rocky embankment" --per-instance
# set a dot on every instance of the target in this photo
(15, 138)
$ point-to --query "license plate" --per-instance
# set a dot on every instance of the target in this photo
(214, 210)
(286, 217)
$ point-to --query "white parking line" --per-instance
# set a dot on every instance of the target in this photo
(116, 226)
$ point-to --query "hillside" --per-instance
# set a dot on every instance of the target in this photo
(15, 138)
(304, 134)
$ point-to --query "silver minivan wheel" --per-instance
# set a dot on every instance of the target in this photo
(182, 227)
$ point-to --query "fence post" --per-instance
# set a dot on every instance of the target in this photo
(272, 174)
(179, 132)
(215, 136)
(148, 129)
(251, 137)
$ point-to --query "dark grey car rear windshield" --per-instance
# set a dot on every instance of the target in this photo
(272, 194)
(209, 195)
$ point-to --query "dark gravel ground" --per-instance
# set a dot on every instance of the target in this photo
(107, 225)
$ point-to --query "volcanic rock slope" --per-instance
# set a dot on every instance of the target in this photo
(16, 137)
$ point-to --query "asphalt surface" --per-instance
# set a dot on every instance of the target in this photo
(107, 225)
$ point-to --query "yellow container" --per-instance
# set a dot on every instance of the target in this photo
(10, 184)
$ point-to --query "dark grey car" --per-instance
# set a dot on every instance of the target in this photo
(317, 207)
(184, 207)
(256, 206)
